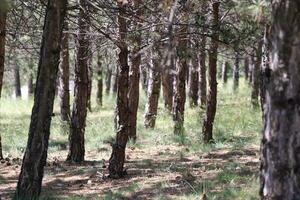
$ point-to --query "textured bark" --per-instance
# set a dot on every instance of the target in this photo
(246, 68)
(30, 179)
(225, 68)
(64, 74)
(99, 95)
(256, 77)
(144, 77)
(236, 71)
(211, 107)
(17, 80)
(134, 72)
(30, 84)
(280, 161)
(115, 80)
(90, 80)
(167, 84)
(108, 79)
(194, 82)
(79, 112)
(3, 15)
(154, 86)
(117, 159)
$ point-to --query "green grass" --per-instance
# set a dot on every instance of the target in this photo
(237, 126)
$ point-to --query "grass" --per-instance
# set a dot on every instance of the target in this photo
(237, 127)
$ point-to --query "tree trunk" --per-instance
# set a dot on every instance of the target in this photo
(194, 83)
(280, 161)
(117, 159)
(154, 85)
(134, 72)
(17, 80)
(64, 74)
(236, 71)
(115, 80)
(3, 14)
(108, 79)
(246, 68)
(99, 96)
(90, 80)
(256, 77)
(30, 179)
(144, 77)
(202, 58)
(211, 107)
(167, 84)
(225, 68)
(30, 84)
(79, 112)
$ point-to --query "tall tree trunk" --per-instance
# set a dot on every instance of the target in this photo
(64, 74)
(211, 107)
(90, 80)
(79, 112)
(246, 68)
(225, 68)
(3, 15)
(17, 80)
(30, 179)
(194, 82)
(154, 85)
(30, 84)
(117, 159)
(115, 80)
(256, 76)
(280, 175)
(251, 67)
(134, 72)
(236, 71)
(99, 96)
(167, 84)
(108, 79)
(144, 77)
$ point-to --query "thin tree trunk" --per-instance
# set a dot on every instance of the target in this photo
(90, 80)
(64, 74)
(280, 161)
(17, 80)
(236, 71)
(117, 159)
(256, 77)
(154, 86)
(225, 68)
(115, 80)
(211, 107)
(167, 84)
(194, 83)
(108, 79)
(30, 84)
(3, 15)
(246, 68)
(30, 179)
(144, 77)
(99, 95)
(79, 112)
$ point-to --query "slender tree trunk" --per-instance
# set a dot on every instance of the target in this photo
(134, 73)
(202, 58)
(154, 86)
(17, 80)
(225, 68)
(108, 79)
(30, 84)
(115, 81)
(90, 80)
(30, 179)
(64, 74)
(99, 96)
(167, 84)
(207, 129)
(3, 15)
(280, 161)
(256, 77)
(144, 77)
(79, 112)
(194, 83)
(236, 71)
(117, 159)
(246, 68)
(251, 67)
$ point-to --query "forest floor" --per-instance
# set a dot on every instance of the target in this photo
(159, 166)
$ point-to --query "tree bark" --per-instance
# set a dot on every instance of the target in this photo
(154, 85)
(167, 84)
(211, 107)
(236, 71)
(144, 77)
(3, 15)
(115, 80)
(117, 159)
(134, 72)
(90, 80)
(64, 74)
(17, 80)
(225, 68)
(280, 161)
(246, 68)
(79, 112)
(30, 179)
(99, 95)
(108, 79)
(194, 82)
(256, 76)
